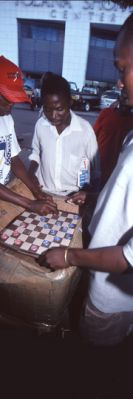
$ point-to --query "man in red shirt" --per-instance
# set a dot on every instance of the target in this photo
(111, 127)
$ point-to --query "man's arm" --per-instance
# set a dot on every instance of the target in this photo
(106, 259)
(20, 171)
(42, 207)
(30, 181)
(32, 168)
(8, 195)
(31, 172)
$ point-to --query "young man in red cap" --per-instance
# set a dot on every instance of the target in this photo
(11, 92)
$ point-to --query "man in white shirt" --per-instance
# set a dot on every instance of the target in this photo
(64, 148)
(108, 311)
(11, 91)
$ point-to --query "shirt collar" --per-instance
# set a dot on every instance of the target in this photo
(45, 120)
(75, 122)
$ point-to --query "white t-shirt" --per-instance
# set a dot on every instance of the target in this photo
(112, 223)
(9, 147)
(59, 156)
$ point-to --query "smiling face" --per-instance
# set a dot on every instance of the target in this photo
(57, 110)
(123, 58)
(5, 106)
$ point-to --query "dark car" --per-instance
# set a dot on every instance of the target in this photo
(90, 98)
(86, 99)
(75, 96)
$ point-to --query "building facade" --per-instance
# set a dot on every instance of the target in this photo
(72, 38)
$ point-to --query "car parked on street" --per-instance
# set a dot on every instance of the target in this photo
(86, 99)
(75, 96)
(28, 90)
(90, 98)
(108, 97)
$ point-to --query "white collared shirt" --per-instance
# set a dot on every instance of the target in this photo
(9, 147)
(59, 155)
(112, 224)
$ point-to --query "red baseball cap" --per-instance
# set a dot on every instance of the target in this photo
(11, 82)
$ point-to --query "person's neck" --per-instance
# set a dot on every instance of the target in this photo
(64, 125)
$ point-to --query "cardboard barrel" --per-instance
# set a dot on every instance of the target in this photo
(29, 293)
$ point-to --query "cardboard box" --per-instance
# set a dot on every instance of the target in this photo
(31, 294)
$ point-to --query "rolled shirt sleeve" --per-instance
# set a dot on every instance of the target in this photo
(35, 155)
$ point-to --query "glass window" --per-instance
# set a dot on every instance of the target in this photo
(110, 43)
(26, 31)
(100, 42)
(44, 33)
(93, 41)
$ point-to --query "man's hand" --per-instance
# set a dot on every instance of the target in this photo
(43, 207)
(78, 198)
(41, 195)
(54, 258)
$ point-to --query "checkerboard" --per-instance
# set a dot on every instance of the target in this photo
(33, 234)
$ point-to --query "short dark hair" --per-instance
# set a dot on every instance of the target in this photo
(52, 83)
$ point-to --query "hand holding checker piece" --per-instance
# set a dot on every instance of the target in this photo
(65, 204)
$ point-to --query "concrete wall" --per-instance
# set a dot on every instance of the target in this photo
(77, 16)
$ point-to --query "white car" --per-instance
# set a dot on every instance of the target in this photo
(109, 97)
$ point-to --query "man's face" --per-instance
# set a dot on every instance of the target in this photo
(124, 63)
(57, 110)
(5, 106)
